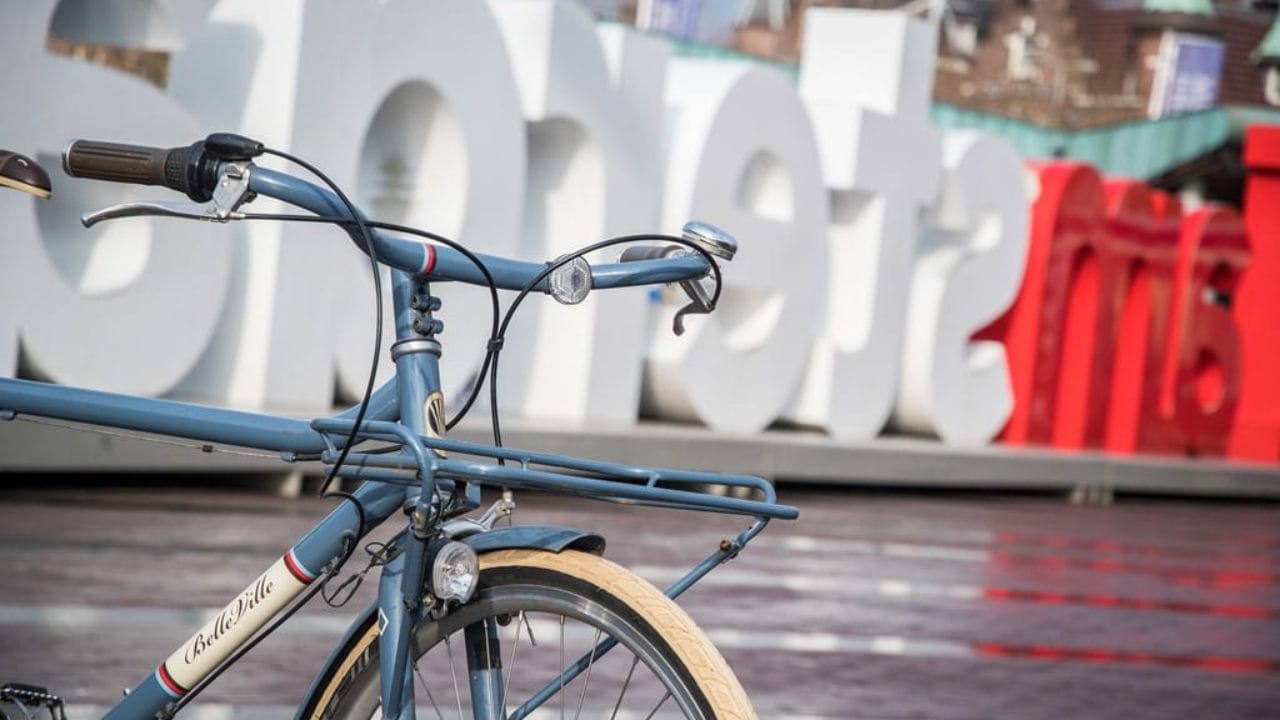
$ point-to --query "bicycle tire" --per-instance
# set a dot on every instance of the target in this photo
(517, 588)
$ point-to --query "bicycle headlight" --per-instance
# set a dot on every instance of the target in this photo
(455, 571)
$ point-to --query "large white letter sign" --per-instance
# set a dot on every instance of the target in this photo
(741, 154)
(376, 95)
(866, 78)
(967, 272)
(238, 73)
(127, 306)
(593, 101)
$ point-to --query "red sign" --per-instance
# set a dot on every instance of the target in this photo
(1256, 435)
(1134, 328)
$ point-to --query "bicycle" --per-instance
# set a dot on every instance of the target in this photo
(450, 576)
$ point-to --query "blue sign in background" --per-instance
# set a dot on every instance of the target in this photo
(1196, 74)
(677, 18)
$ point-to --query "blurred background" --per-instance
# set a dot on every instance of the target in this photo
(1052, 77)
(1056, 493)
(1119, 306)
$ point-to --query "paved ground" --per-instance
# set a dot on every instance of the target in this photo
(870, 606)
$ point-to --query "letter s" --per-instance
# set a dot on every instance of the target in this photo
(969, 269)
(129, 306)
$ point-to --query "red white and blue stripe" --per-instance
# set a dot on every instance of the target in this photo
(168, 684)
(297, 569)
(428, 259)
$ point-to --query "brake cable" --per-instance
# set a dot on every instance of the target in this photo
(369, 249)
(490, 283)
(497, 336)
(496, 345)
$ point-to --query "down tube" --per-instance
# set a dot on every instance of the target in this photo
(257, 604)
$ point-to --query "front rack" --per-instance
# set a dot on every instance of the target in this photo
(421, 457)
(424, 458)
(414, 460)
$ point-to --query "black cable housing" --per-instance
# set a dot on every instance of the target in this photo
(367, 238)
(490, 283)
(497, 335)
(495, 346)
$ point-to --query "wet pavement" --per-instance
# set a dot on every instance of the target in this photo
(870, 606)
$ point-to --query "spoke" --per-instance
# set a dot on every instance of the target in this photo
(511, 664)
(562, 667)
(660, 703)
(417, 671)
(568, 674)
(528, 626)
(454, 672)
(489, 627)
(625, 684)
(586, 682)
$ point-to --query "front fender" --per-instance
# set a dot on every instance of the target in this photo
(537, 537)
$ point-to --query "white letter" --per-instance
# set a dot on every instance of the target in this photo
(741, 155)
(130, 305)
(968, 272)
(866, 77)
(593, 101)
(410, 107)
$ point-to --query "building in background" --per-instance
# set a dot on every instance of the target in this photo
(1155, 89)
(1173, 78)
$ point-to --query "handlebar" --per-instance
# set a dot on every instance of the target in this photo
(640, 253)
(195, 170)
(445, 263)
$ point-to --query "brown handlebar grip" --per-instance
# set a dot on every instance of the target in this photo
(115, 162)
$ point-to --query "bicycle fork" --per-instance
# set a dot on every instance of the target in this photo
(401, 606)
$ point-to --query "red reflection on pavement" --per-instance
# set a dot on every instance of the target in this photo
(1222, 547)
(1124, 603)
(1105, 656)
(1189, 577)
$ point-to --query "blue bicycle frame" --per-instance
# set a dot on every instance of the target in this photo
(427, 473)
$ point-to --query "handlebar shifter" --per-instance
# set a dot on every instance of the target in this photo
(718, 243)
(213, 173)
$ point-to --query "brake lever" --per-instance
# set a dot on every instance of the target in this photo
(716, 242)
(700, 304)
(231, 192)
(159, 209)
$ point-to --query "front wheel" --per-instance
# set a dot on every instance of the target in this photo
(546, 611)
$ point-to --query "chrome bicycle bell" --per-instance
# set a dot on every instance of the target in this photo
(710, 238)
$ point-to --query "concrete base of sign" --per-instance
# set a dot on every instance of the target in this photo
(784, 456)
